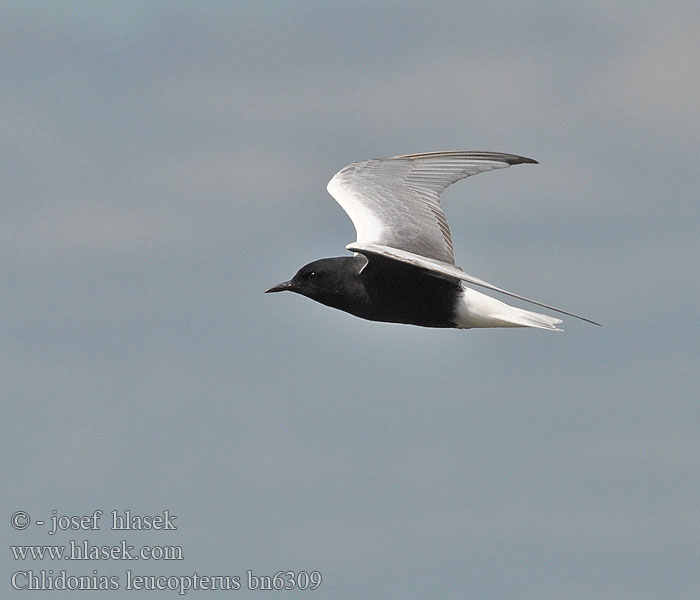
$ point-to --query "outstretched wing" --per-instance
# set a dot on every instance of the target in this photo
(395, 202)
(445, 271)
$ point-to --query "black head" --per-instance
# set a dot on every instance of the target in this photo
(326, 280)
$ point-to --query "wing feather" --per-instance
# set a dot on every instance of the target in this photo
(445, 271)
(395, 201)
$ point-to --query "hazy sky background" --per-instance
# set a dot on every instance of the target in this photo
(163, 163)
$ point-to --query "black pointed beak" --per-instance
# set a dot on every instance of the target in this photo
(281, 287)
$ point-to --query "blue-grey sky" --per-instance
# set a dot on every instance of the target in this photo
(163, 163)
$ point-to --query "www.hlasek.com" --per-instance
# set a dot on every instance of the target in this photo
(86, 551)
(181, 584)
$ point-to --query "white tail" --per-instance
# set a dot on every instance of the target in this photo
(479, 310)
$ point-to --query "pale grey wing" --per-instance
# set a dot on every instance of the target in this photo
(445, 271)
(396, 201)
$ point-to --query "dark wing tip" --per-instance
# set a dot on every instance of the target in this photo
(525, 160)
(511, 159)
(514, 159)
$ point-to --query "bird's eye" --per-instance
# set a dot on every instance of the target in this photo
(311, 275)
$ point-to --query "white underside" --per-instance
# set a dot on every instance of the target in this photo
(479, 310)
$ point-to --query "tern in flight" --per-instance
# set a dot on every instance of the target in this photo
(403, 268)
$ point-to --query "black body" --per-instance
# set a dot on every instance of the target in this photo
(377, 289)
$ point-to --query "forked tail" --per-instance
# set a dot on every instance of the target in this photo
(479, 310)
(518, 317)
